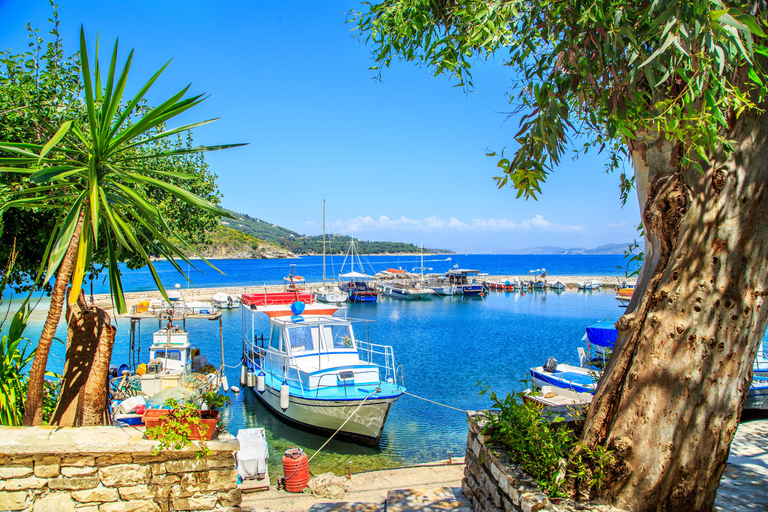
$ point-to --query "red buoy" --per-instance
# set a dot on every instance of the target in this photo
(295, 469)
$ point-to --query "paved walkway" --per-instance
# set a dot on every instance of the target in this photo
(743, 488)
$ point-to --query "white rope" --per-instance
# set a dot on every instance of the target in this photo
(342, 426)
(436, 403)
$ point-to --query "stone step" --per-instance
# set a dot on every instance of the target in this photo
(347, 507)
(426, 500)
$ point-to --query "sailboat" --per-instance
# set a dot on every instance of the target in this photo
(329, 292)
(356, 283)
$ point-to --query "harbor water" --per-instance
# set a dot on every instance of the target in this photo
(449, 347)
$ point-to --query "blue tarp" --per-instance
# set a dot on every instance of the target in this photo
(602, 334)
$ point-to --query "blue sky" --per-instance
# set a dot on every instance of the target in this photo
(399, 159)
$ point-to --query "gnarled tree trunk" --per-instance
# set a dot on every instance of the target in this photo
(670, 398)
(33, 406)
(90, 338)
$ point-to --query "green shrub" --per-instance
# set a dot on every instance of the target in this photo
(542, 446)
(13, 362)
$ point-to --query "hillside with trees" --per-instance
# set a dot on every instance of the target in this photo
(303, 244)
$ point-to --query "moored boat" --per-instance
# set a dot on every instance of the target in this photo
(357, 285)
(506, 286)
(460, 278)
(329, 292)
(314, 373)
(564, 376)
(405, 288)
(226, 301)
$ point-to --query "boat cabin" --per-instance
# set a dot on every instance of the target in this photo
(319, 352)
(172, 347)
(461, 276)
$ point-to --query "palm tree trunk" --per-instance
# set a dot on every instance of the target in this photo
(33, 407)
(90, 337)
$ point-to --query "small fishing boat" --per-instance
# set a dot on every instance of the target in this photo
(506, 286)
(405, 288)
(565, 376)
(313, 372)
(441, 287)
(590, 284)
(225, 301)
(558, 286)
(539, 278)
(460, 278)
(624, 292)
(552, 395)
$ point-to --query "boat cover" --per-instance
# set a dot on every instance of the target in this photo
(602, 334)
(253, 453)
(355, 275)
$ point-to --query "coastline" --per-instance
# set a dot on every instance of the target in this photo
(204, 294)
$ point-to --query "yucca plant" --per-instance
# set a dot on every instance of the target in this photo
(14, 359)
(91, 171)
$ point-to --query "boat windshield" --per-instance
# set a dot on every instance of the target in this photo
(338, 336)
(303, 339)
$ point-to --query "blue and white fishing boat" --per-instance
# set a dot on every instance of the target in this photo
(313, 372)
(565, 376)
(460, 278)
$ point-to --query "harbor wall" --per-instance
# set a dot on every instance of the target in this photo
(492, 482)
(111, 469)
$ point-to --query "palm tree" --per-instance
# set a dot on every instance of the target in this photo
(91, 171)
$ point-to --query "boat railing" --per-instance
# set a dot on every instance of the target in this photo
(382, 356)
(276, 358)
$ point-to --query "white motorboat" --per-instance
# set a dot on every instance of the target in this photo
(314, 373)
(405, 288)
(590, 284)
(558, 285)
(460, 279)
(226, 301)
(575, 378)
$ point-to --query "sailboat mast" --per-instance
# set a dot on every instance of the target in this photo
(323, 242)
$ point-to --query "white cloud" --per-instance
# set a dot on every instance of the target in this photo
(365, 224)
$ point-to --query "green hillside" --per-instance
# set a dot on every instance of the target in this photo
(302, 244)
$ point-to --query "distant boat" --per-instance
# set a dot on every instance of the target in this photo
(590, 284)
(403, 287)
(226, 301)
(558, 285)
(356, 284)
(460, 278)
(329, 292)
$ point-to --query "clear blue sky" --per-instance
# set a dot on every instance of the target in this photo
(400, 159)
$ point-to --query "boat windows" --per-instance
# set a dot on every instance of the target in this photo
(338, 336)
(302, 339)
(274, 339)
(174, 355)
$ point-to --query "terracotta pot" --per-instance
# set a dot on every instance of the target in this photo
(156, 418)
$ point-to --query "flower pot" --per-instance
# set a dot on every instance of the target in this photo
(156, 418)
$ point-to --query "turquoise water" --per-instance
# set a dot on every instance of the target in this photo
(446, 345)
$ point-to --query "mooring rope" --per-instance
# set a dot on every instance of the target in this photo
(433, 402)
(342, 426)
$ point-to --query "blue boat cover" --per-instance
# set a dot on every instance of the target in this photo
(602, 334)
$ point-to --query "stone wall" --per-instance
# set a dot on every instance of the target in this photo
(492, 481)
(110, 469)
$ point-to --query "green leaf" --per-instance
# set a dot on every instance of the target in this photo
(60, 133)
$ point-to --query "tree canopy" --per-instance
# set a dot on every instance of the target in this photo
(608, 71)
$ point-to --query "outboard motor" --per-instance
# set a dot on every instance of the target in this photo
(551, 365)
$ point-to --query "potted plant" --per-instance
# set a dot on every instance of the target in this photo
(179, 424)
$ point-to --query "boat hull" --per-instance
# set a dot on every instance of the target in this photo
(332, 297)
(327, 416)
(356, 297)
(470, 289)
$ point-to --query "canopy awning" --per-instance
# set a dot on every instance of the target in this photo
(355, 275)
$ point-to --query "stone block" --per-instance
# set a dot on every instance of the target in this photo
(533, 501)
(98, 494)
(221, 462)
(13, 500)
(111, 460)
(130, 506)
(69, 472)
(73, 484)
(508, 506)
(158, 468)
(178, 492)
(142, 492)
(60, 502)
(47, 467)
(203, 502)
(186, 465)
(125, 475)
(15, 471)
(77, 461)
(232, 498)
(88, 508)
(167, 479)
(212, 480)
(476, 447)
(146, 459)
(32, 482)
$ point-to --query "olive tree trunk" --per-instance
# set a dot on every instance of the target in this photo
(83, 397)
(670, 399)
(33, 406)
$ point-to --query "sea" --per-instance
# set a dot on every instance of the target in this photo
(451, 348)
